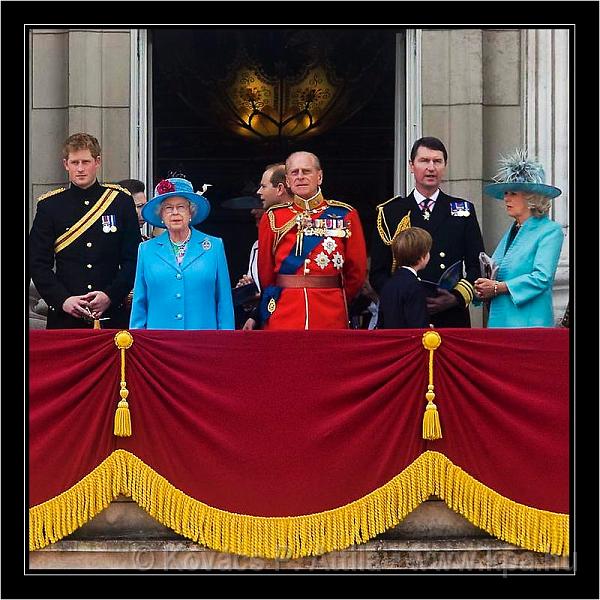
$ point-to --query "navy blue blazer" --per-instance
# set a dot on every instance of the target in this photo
(456, 236)
(402, 303)
(96, 260)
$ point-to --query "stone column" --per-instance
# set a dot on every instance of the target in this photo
(502, 122)
(48, 110)
(546, 116)
(452, 84)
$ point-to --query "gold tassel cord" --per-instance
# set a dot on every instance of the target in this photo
(432, 430)
(122, 428)
(431, 473)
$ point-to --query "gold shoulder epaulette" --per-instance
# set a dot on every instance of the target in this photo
(384, 203)
(342, 204)
(51, 193)
(116, 186)
(280, 205)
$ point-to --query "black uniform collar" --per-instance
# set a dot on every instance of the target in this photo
(78, 192)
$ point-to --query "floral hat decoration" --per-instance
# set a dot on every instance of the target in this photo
(520, 173)
(176, 186)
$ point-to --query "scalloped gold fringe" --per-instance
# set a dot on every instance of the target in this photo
(305, 535)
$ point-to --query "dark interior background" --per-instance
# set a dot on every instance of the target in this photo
(356, 152)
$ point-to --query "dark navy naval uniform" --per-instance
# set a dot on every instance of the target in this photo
(456, 236)
(102, 258)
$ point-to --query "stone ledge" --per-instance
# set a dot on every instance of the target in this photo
(124, 519)
(467, 554)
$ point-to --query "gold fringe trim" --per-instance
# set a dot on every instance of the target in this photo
(116, 186)
(51, 193)
(305, 535)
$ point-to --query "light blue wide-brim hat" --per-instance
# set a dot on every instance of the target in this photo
(175, 186)
(520, 174)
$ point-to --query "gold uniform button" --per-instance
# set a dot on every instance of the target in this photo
(89, 244)
(86, 202)
(89, 266)
(89, 286)
(442, 254)
(442, 266)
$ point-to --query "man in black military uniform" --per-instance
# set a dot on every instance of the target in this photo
(452, 224)
(89, 232)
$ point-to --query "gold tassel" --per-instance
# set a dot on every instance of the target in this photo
(123, 417)
(432, 430)
(97, 324)
(122, 428)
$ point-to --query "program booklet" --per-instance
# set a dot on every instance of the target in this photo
(245, 294)
(450, 277)
(488, 266)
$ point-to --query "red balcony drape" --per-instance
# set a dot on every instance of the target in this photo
(285, 424)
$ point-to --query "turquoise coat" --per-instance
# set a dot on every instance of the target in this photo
(193, 295)
(528, 269)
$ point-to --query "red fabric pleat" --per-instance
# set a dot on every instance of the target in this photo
(73, 391)
(504, 410)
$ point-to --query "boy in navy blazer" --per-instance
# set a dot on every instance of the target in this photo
(402, 303)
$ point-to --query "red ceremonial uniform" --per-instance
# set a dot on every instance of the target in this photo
(340, 251)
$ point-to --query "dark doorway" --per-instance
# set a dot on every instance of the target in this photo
(197, 132)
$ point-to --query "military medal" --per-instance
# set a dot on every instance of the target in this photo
(109, 223)
(329, 245)
(338, 260)
(459, 209)
(426, 214)
(332, 226)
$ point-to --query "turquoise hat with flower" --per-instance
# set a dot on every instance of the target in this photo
(518, 173)
(176, 186)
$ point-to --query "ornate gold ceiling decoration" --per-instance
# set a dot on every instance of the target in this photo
(267, 85)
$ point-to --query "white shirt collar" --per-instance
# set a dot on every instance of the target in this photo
(410, 269)
(419, 197)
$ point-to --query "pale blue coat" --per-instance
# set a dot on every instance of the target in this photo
(193, 295)
(528, 269)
